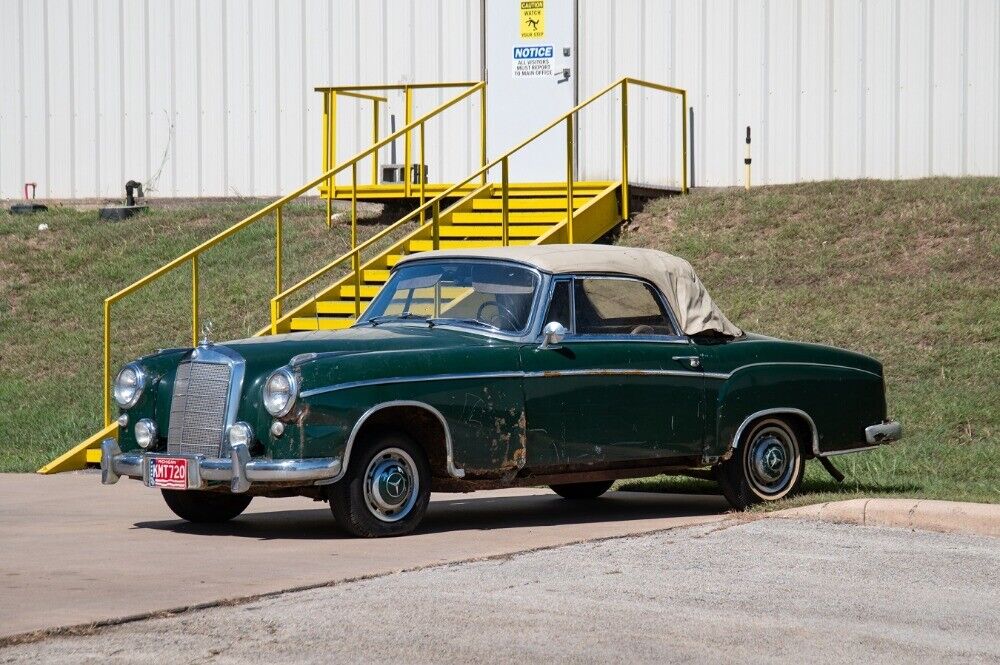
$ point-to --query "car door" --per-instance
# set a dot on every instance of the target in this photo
(621, 386)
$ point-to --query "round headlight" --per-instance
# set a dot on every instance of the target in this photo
(240, 434)
(279, 392)
(128, 386)
(145, 433)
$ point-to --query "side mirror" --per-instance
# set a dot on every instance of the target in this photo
(552, 334)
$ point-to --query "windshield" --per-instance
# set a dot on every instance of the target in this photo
(487, 295)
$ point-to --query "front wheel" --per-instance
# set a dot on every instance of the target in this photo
(386, 489)
(766, 466)
(205, 507)
(582, 491)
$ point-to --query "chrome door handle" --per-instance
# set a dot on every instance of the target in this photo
(694, 362)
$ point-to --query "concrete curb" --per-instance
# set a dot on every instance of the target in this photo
(982, 519)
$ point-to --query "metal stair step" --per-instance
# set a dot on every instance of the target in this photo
(427, 245)
(489, 216)
(493, 230)
(373, 276)
(321, 323)
(554, 203)
(335, 307)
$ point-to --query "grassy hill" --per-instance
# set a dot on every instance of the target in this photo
(906, 271)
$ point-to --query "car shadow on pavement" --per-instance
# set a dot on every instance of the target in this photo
(466, 513)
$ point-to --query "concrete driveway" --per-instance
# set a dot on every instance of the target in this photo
(76, 552)
(769, 591)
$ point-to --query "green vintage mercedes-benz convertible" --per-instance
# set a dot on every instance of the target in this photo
(562, 365)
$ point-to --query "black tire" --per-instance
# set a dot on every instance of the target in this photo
(386, 489)
(582, 491)
(205, 507)
(767, 465)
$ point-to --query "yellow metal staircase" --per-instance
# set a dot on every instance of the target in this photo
(536, 211)
(472, 213)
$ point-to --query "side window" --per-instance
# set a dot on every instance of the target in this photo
(559, 309)
(619, 307)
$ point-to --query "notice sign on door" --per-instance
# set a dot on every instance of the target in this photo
(530, 61)
(532, 19)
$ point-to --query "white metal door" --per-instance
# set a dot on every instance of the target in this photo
(530, 50)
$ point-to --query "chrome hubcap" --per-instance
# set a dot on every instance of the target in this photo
(391, 485)
(771, 460)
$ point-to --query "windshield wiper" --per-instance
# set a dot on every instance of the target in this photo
(475, 322)
(382, 318)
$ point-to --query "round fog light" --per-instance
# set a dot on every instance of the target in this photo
(145, 433)
(277, 428)
(240, 434)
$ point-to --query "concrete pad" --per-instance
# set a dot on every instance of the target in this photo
(77, 552)
(981, 519)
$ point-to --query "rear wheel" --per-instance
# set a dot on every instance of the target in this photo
(766, 466)
(581, 491)
(205, 507)
(386, 489)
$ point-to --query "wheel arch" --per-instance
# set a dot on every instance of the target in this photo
(801, 422)
(418, 420)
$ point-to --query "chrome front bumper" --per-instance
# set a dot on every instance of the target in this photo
(884, 432)
(238, 470)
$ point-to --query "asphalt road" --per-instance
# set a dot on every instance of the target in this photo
(771, 590)
(73, 551)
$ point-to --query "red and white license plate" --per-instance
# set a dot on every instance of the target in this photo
(168, 472)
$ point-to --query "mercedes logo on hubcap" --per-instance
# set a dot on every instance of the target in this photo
(395, 484)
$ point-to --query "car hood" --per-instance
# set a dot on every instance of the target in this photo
(277, 350)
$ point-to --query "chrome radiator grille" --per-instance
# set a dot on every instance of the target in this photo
(198, 409)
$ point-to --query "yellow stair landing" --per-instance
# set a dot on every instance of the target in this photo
(397, 191)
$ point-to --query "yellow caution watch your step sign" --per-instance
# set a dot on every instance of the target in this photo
(532, 19)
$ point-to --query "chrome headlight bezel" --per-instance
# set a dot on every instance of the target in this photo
(140, 385)
(280, 409)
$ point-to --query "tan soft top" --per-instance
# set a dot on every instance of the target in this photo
(695, 310)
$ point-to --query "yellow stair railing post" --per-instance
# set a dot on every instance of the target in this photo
(277, 250)
(332, 134)
(436, 225)
(354, 239)
(684, 143)
(408, 116)
(569, 178)
(423, 178)
(482, 133)
(375, 129)
(195, 285)
(107, 362)
(625, 149)
(505, 200)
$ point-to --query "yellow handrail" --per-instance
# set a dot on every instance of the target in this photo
(503, 161)
(275, 207)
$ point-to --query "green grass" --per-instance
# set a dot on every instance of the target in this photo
(908, 272)
(53, 283)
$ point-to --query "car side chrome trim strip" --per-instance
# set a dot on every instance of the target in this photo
(803, 364)
(453, 471)
(511, 375)
(409, 379)
(625, 372)
(771, 412)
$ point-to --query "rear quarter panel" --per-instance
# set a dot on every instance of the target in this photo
(841, 391)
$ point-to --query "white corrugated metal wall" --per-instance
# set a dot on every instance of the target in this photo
(831, 88)
(213, 98)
